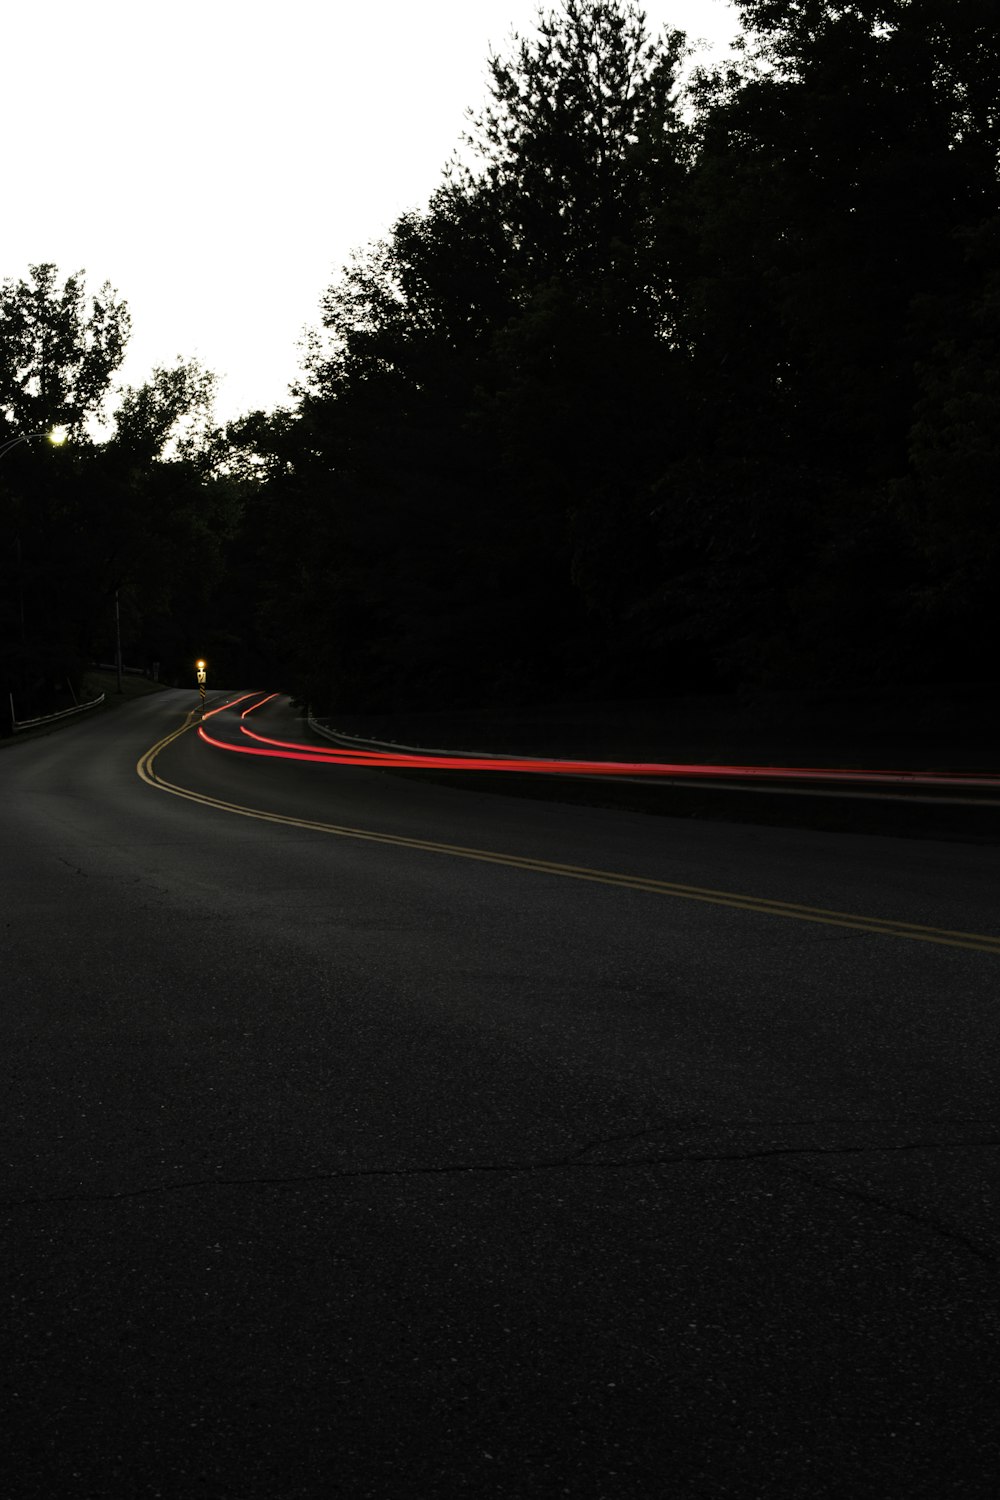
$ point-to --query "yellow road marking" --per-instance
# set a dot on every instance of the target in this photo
(887, 927)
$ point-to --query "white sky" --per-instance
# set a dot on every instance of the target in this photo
(218, 160)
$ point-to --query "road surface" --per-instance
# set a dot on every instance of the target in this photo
(372, 1138)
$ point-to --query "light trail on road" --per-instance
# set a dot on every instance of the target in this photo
(266, 746)
(978, 942)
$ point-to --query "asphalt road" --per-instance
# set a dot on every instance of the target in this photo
(591, 1155)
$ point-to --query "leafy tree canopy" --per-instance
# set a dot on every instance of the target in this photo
(171, 413)
(58, 352)
(580, 136)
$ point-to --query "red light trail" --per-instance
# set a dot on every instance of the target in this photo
(280, 749)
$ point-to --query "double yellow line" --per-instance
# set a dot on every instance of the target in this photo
(883, 926)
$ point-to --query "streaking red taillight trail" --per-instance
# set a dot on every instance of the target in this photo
(280, 749)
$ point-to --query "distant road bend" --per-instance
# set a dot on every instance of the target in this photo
(373, 1136)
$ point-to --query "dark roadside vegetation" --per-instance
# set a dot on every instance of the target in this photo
(671, 424)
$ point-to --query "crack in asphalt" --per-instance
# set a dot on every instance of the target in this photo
(874, 1200)
(574, 1163)
(706, 1125)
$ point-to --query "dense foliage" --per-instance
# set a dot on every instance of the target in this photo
(677, 384)
(136, 518)
(680, 380)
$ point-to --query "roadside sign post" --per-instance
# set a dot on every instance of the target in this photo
(202, 678)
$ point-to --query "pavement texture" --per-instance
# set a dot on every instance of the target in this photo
(339, 1162)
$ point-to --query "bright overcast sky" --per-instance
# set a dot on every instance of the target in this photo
(218, 160)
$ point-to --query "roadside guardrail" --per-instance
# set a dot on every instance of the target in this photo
(64, 713)
(943, 788)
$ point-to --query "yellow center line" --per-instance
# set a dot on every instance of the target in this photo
(764, 905)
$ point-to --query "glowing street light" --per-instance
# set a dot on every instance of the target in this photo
(202, 679)
(56, 436)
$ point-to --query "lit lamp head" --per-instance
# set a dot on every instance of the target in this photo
(57, 436)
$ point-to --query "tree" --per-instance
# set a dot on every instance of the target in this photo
(836, 173)
(585, 152)
(164, 507)
(143, 514)
(173, 410)
(57, 356)
(492, 380)
(948, 498)
(659, 386)
(580, 138)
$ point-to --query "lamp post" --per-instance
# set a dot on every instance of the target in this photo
(118, 644)
(56, 436)
(202, 679)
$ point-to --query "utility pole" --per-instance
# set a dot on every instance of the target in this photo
(118, 643)
(20, 591)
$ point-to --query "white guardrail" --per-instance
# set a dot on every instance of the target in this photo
(65, 713)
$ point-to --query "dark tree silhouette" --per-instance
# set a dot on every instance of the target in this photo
(670, 385)
(140, 515)
(57, 356)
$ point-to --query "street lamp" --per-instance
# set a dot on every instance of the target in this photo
(55, 435)
(202, 679)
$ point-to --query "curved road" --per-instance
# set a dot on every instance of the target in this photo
(365, 1137)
